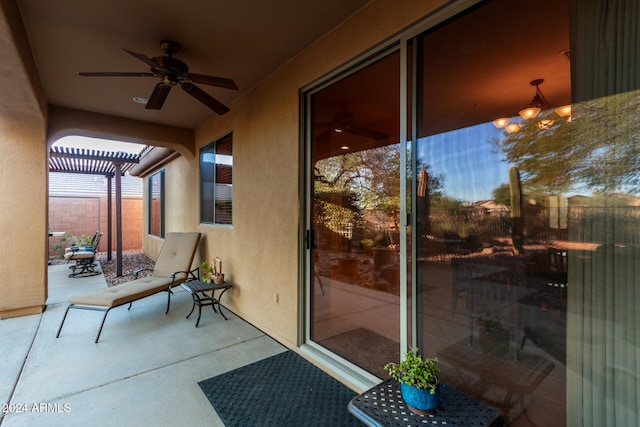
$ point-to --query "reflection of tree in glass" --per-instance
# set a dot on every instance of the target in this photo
(598, 148)
(334, 209)
(349, 184)
(373, 174)
(501, 195)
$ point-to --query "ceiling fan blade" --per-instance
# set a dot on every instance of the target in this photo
(113, 74)
(150, 62)
(205, 98)
(213, 81)
(367, 133)
(158, 96)
(325, 124)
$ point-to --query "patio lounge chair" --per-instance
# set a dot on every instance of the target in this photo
(85, 258)
(171, 269)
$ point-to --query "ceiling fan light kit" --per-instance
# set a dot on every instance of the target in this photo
(172, 72)
(531, 111)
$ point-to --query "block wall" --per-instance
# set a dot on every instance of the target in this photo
(85, 215)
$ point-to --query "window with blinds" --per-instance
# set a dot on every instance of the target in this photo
(156, 204)
(216, 182)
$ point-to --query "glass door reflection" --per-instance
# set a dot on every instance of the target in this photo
(355, 217)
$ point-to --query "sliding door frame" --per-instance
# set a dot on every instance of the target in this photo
(401, 42)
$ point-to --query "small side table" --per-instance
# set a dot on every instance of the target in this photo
(383, 405)
(197, 288)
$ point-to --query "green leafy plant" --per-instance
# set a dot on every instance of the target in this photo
(367, 243)
(85, 240)
(62, 243)
(208, 271)
(211, 272)
(68, 240)
(416, 371)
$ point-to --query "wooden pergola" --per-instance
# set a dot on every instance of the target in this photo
(108, 164)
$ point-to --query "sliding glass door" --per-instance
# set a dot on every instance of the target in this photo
(527, 205)
(354, 209)
(517, 183)
(492, 250)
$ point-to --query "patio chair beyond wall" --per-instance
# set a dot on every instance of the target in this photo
(85, 258)
(171, 269)
(79, 248)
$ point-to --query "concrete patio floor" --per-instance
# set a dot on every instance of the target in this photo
(143, 371)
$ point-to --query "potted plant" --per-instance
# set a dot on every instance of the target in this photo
(212, 272)
(69, 240)
(419, 382)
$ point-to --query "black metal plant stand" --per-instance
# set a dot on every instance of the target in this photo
(197, 289)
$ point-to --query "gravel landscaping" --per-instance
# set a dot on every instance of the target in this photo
(132, 260)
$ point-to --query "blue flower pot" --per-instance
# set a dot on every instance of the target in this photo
(418, 400)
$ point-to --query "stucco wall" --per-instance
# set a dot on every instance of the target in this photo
(23, 172)
(260, 252)
(181, 202)
(23, 218)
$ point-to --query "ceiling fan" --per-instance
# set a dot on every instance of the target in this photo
(172, 71)
(346, 122)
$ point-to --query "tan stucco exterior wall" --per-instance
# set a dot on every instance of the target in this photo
(23, 218)
(181, 202)
(23, 173)
(260, 251)
(68, 121)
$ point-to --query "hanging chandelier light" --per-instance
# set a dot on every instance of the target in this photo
(531, 110)
(537, 104)
(501, 122)
(513, 127)
(564, 111)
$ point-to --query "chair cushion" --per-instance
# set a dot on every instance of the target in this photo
(176, 254)
(79, 248)
(79, 255)
(124, 293)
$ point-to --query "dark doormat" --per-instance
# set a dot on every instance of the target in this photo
(365, 348)
(282, 390)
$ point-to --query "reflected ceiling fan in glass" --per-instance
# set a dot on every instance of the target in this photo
(346, 122)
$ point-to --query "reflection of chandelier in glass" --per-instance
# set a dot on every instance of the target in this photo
(537, 104)
(531, 111)
(564, 111)
(513, 127)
